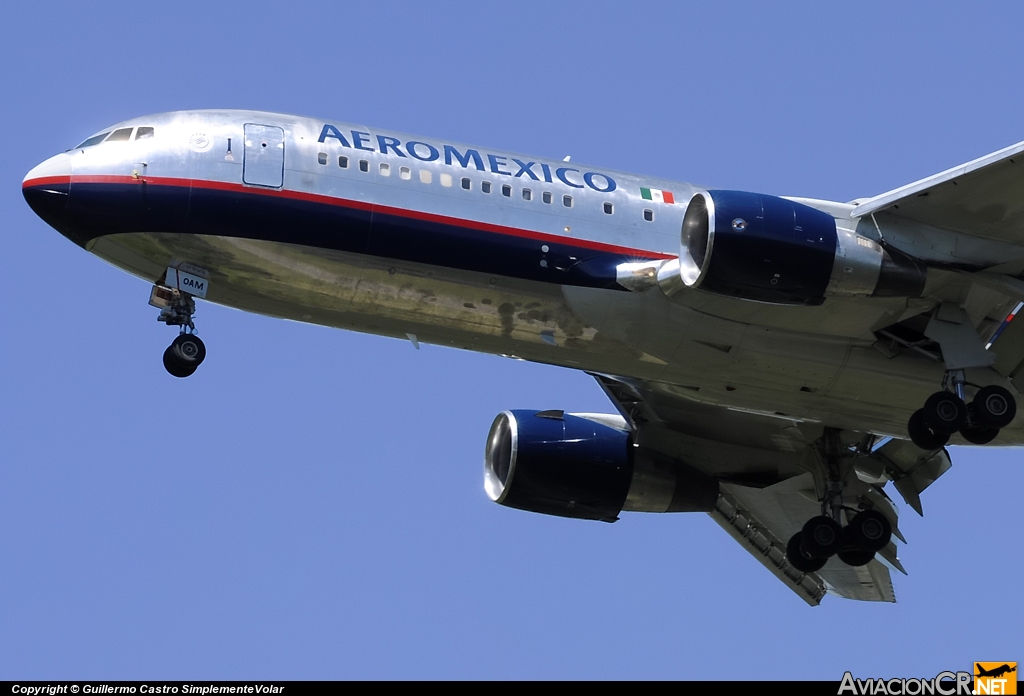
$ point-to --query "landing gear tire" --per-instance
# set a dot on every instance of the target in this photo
(798, 560)
(189, 348)
(978, 434)
(868, 531)
(924, 436)
(821, 537)
(174, 367)
(945, 412)
(855, 557)
(184, 355)
(993, 407)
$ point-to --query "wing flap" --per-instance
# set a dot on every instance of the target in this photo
(767, 548)
(782, 509)
(911, 469)
(870, 582)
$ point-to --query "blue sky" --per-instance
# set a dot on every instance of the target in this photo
(310, 503)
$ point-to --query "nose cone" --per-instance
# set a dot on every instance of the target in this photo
(47, 188)
(54, 170)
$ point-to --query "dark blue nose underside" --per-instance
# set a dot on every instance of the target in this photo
(49, 202)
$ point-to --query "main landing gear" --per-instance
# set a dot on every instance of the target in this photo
(867, 530)
(823, 537)
(187, 352)
(946, 412)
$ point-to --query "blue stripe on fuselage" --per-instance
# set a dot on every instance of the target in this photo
(98, 209)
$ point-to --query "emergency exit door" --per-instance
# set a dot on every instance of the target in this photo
(263, 163)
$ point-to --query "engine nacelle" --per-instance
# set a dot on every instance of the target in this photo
(770, 249)
(584, 466)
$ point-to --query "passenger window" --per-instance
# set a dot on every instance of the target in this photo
(466, 183)
(446, 180)
(547, 197)
(567, 201)
(485, 186)
(93, 140)
(527, 195)
(144, 132)
(404, 173)
(609, 209)
(425, 176)
(648, 215)
(343, 162)
(120, 135)
(364, 166)
(506, 191)
(385, 169)
(322, 158)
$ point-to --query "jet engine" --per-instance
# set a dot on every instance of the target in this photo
(770, 249)
(585, 466)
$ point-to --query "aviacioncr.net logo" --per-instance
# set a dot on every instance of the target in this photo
(943, 684)
(995, 678)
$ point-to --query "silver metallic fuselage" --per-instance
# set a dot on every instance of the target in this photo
(801, 363)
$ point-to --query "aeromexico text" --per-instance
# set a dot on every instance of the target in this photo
(503, 165)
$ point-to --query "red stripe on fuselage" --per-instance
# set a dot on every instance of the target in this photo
(46, 181)
(347, 203)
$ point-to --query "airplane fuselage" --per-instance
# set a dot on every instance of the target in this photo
(376, 231)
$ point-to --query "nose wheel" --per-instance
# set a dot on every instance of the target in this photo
(945, 413)
(184, 355)
(187, 352)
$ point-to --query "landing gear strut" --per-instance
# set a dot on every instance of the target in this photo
(187, 351)
(867, 532)
(945, 412)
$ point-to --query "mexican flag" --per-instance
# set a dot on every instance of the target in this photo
(649, 194)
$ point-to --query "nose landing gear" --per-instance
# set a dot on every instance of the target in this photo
(184, 355)
(945, 413)
(187, 352)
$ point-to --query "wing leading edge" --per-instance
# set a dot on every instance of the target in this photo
(983, 197)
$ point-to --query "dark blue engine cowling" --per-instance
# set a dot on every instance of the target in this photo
(558, 464)
(757, 247)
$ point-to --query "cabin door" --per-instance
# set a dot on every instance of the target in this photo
(264, 156)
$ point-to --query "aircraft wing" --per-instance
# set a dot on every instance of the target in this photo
(766, 494)
(984, 198)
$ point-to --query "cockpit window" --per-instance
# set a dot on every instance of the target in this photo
(94, 140)
(121, 134)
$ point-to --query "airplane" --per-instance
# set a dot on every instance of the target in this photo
(773, 361)
(996, 671)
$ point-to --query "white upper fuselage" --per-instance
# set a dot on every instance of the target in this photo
(426, 176)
